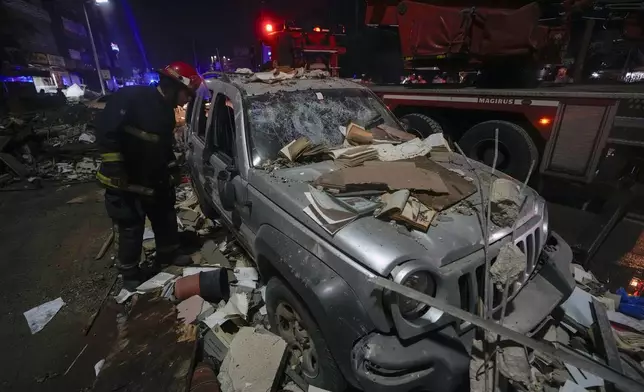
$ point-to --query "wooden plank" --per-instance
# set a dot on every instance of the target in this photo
(154, 351)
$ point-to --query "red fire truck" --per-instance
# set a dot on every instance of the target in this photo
(284, 43)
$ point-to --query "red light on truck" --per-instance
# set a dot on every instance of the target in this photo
(268, 27)
(545, 121)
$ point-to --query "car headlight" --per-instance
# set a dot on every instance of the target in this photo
(420, 281)
(545, 228)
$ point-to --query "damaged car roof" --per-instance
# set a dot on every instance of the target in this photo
(253, 88)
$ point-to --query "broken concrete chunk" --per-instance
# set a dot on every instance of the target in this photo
(254, 362)
(509, 266)
(505, 201)
(514, 364)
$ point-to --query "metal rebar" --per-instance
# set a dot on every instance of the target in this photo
(483, 224)
(496, 149)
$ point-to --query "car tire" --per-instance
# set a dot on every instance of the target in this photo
(421, 124)
(206, 207)
(517, 149)
(318, 366)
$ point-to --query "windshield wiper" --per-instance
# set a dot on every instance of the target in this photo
(375, 121)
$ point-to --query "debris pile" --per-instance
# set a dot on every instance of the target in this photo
(591, 323)
(222, 297)
(56, 145)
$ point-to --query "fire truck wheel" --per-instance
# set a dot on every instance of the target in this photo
(421, 124)
(516, 153)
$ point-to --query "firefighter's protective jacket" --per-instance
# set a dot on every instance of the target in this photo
(134, 132)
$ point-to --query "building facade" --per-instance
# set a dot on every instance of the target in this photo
(51, 36)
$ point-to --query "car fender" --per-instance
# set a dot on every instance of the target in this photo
(331, 301)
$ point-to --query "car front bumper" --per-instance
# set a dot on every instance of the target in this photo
(440, 360)
(383, 363)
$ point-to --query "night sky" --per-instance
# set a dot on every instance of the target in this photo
(170, 28)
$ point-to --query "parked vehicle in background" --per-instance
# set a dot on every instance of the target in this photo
(318, 296)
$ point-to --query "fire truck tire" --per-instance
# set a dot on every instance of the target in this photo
(517, 149)
(421, 124)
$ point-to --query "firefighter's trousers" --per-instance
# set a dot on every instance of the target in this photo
(128, 212)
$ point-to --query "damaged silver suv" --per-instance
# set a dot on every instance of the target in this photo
(322, 186)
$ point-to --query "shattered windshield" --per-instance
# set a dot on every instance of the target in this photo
(277, 119)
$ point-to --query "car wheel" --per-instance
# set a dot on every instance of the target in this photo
(421, 125)
(516, 152)
(310, 354)
(206, 207)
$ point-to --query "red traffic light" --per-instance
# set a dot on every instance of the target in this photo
(268, 27)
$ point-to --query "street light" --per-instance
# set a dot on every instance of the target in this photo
(91, 38)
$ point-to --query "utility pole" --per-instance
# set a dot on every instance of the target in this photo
(91, 38)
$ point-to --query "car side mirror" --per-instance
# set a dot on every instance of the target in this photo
(226, 188)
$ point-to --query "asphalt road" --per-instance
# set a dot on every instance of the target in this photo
(47, 250)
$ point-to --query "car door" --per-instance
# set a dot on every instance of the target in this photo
(197, 122)
(224, 161)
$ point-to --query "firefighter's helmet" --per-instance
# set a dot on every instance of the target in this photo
(184, 74)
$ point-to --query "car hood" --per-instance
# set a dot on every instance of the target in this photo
(380, 245)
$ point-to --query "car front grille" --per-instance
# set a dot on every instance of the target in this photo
(472, 285)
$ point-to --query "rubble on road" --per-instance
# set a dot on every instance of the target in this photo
(49, 144)
(254, 362)
(590, 325)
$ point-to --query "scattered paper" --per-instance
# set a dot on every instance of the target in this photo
(124, 295)
(236, 307)
(156, 282)
(246, 273)
(331, 211)
(41, 315)
(581, 275)
(99, 366)
(393, 202)
(263, 311)
(415, 214)
(411, 149)
(621, 318)
(577, 306)
(357, 135)
(320, 96)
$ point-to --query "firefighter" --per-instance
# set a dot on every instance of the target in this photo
(139, 169)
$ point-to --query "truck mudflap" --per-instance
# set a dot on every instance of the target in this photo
(551, 284)
(383, 363)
